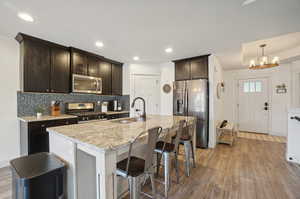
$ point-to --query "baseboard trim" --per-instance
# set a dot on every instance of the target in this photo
(4, 163)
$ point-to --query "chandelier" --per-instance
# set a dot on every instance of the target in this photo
(263, 61)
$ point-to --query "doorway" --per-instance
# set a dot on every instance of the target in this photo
(147, 87)
(253, 105)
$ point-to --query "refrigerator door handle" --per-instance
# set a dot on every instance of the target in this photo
(185, 99)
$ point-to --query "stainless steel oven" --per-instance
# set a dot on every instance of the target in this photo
(86, 84)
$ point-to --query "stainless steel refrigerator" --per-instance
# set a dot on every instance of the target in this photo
(190, 98)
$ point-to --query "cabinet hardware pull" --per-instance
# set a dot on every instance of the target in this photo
(296, 118)
(99, 185)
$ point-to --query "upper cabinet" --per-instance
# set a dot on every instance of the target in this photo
(105, 74)
(60, 70)
(48, 67)
(42, 63)
(191, 68)
(199, 68)
(93, 66)
(85, 63)
(182, 70)
(117, 79)
(79, 63)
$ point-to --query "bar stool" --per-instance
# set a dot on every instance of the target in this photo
(165, 149)
(133, 168)
(187, 141)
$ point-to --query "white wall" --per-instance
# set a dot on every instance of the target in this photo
(166, 73)
(9, 84)
(215, 104)
(167, 77)
(280, 103)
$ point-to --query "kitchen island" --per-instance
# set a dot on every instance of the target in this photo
(92, 150)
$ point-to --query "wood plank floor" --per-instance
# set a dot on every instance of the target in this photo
(261, 136)
(251, 169)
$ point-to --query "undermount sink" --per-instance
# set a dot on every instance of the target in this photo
(126, 121)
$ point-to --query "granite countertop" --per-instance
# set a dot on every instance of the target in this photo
(107, 135)
(45, 118)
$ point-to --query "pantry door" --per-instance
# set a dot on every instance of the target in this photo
(253, 105)
(147, 87)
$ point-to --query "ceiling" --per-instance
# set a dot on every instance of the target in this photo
(145, 28)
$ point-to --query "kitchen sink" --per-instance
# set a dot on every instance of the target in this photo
(126, 121)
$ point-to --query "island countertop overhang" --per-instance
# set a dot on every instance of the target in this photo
(109, 135)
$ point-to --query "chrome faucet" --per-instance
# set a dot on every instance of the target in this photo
(143, 116)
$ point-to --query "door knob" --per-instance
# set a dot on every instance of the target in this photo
(266, 108)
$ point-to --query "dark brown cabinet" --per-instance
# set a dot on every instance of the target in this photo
(85, 63)
(48, 67)
(117, 79)
(45, 66)
(79, 63)
(35, 57)
(60, 70)
(93, 66)
(38, 138)
(182, 70)
(105, 74)
(191, 68)
(199, 68)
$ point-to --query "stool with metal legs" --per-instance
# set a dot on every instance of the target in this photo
(187, 140)
(165, 149)
(133, 168)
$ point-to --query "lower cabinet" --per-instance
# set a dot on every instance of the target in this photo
(35, 138)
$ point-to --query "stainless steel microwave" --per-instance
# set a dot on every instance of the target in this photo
(86, 84)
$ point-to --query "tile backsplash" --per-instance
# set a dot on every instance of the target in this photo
(28, 102)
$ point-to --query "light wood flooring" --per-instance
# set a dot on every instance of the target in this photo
(251, 169)
(263, 137)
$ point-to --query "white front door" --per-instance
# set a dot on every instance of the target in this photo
(253, 105)
(147, 87)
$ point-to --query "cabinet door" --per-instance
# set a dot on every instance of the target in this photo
(117, 79)
(105, 74)
(199, 68)
(93, 66)
(182, 70)
(79, 63)
(38, 138)
(60, 70)
(36, 66)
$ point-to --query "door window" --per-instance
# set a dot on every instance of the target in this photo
(252, 86)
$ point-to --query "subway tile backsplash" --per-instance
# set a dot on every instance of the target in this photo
(28, 102)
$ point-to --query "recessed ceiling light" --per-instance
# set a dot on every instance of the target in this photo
(247, 2)
(99, 44)
(169, 50)
(136, 58)
(25, 17)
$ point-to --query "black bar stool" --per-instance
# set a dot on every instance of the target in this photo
(165, 149)
(133, 168)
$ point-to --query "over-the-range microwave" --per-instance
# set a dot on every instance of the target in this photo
(86, 84)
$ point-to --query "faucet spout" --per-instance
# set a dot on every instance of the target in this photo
(143, 116)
